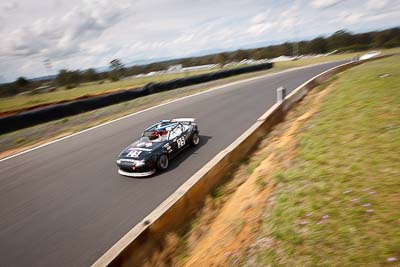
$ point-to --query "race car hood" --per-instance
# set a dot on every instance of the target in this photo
(140, 150)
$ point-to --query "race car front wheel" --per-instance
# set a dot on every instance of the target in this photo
(162, 162)
(195, 139)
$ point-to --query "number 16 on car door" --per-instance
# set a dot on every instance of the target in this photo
(180, 142)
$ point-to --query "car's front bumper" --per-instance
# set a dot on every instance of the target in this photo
(132, 170)
(136, 174)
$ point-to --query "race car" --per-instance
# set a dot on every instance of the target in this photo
(158, 145)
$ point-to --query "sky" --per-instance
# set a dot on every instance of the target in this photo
(73, 34)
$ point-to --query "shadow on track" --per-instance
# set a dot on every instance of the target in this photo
(181, 157)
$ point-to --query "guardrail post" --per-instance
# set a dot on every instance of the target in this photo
(280, 94)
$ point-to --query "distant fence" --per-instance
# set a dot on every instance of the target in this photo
(33, 117)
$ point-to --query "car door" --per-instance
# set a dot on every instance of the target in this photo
(177, 139)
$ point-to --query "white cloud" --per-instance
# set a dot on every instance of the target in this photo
(324, 3)
(10, 6)
(287, 20)
(372, 12)
(349, 18)
(377, 4)
(58, 37)
(260, 24)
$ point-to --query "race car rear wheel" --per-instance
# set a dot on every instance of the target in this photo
(195, 139)
(162, 162)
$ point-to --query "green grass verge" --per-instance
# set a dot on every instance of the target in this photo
(86, 89)
(93, 88)
(339, 202)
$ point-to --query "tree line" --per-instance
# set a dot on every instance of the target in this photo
(343, 41)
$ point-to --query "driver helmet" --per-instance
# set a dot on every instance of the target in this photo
(154, 136)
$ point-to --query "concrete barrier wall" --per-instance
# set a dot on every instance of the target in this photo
(177, 210)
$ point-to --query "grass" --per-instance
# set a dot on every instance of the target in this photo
(93, 88)
(337, 204)
(334, 57)
(20, 140)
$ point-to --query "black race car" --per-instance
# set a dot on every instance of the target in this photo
(158, 144)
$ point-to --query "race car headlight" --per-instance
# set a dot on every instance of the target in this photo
(140, 163)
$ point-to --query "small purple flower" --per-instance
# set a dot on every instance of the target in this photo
(309, 214)
(227, 253)
(370, 210)
(391, 259)
(303, 222)
(366, 205)
(355, 199)
(325, 217)
(347, 191)
(372, 192)
(320, 222)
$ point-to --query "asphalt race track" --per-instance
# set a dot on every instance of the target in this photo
(65, 205)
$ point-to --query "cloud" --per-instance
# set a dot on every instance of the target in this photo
(349, 18)
(373, 12)
(260, 23)
(287, 20)
(320, 4)
(7, 9)
(213, 33)
(10, 6)
(377, 4)
(54, 37)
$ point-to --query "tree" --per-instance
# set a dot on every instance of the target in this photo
(117, 69)
(67, 78)
(219, 59)
(21, 82)
(304, 47)
(257, 54)
(8, 89)
(116, 64)
(387, 38)
(240, 55)
(90, 75)
(318, 45)
(340, 39)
